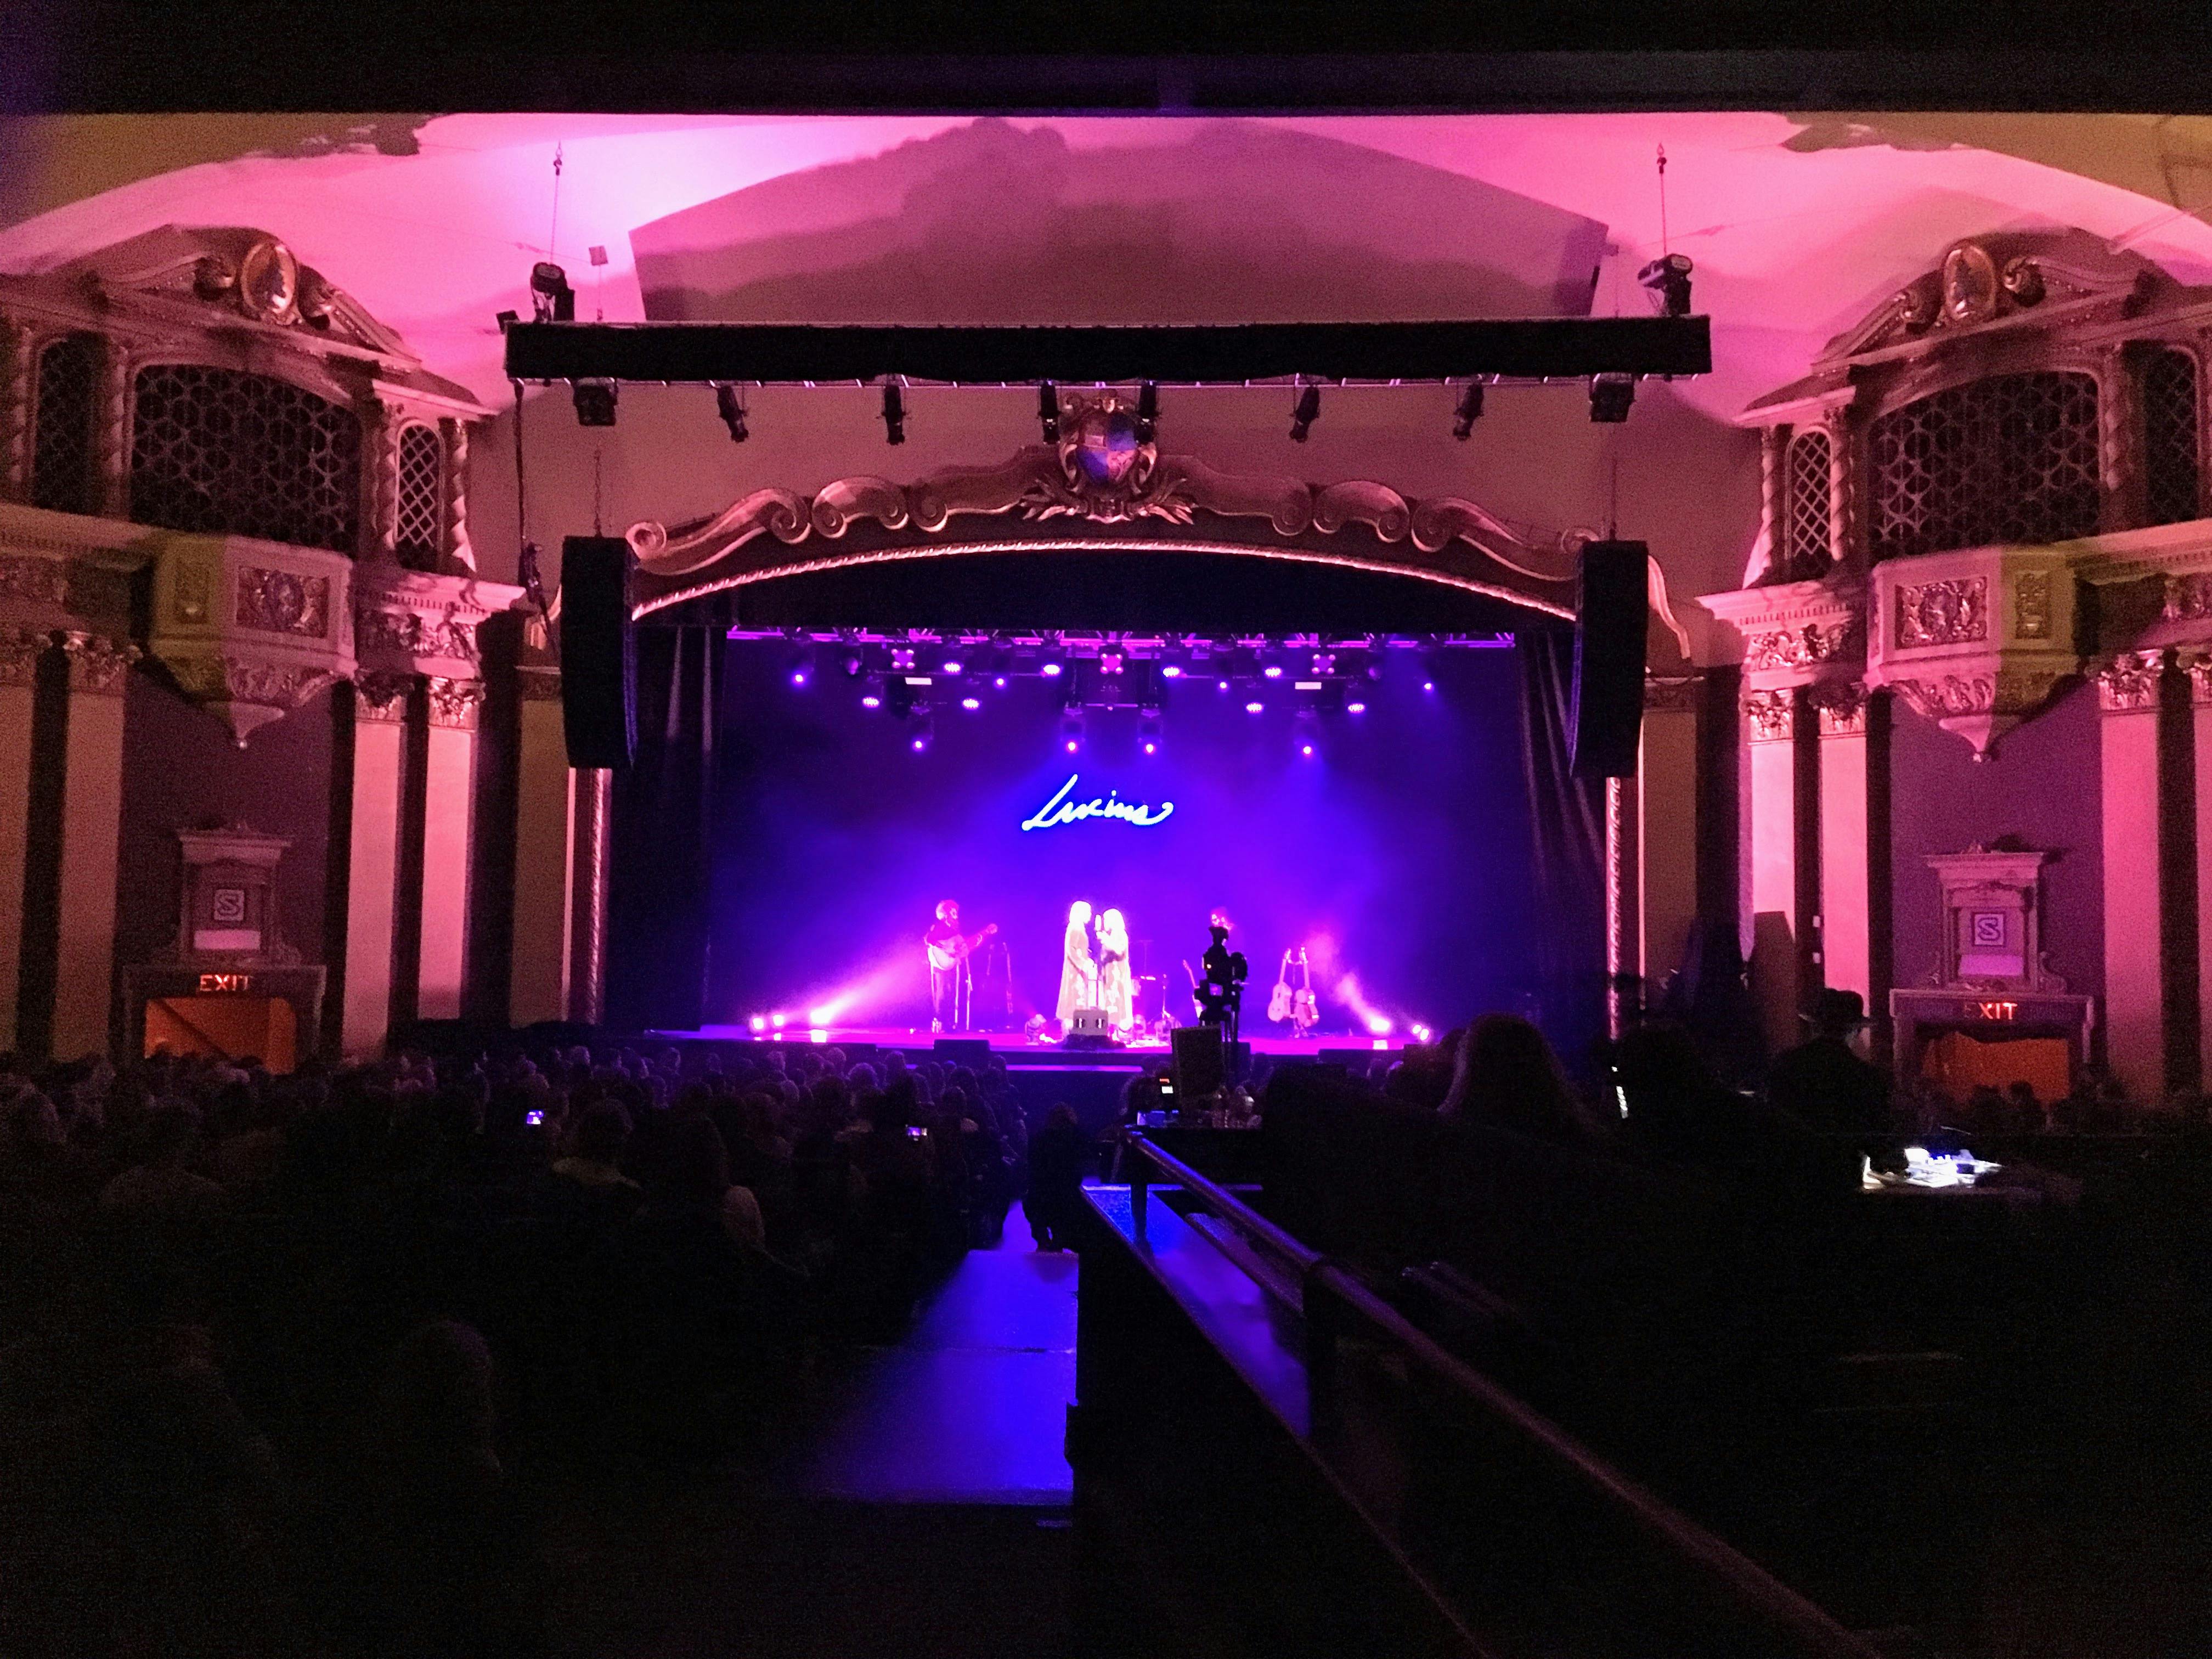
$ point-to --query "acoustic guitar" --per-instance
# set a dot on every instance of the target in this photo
(953, 950)
(1294, 1004)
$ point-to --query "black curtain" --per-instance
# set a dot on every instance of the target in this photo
(658, 938)
(1567, 822)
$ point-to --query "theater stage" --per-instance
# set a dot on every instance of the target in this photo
(1013, 1047)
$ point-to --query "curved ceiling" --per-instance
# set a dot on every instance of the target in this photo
(1797, 223)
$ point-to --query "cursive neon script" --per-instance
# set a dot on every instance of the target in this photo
(1060, 810)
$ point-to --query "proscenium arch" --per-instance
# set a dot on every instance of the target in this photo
(781, 562)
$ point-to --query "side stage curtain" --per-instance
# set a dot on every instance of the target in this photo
(1567, 819)
(658, 937)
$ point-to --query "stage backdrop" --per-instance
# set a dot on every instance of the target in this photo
(1398, 853)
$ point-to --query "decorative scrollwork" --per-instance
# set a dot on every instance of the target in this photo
(20, 648)
(453, 703)
(409, 632)
(1773, 714)
(281, 602)
(2188, 599)
(2031, 605)
(1954, 612)
(2128, 682)
(1804, 648)
(1841, 706)
(97, 664)
(381, 698)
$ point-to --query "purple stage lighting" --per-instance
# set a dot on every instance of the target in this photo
(1051, 670)
(1355, 708)
(1170, 671)
(872, 700)
(1151, 749)
(798, 676)
(1273, 671)
(1254, 707)
(1000, 682)
(1306, 750)
(971, 702)
(1428, 685)
(953, 665)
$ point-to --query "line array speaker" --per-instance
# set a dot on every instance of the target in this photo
(598, 656)
(1610, 627)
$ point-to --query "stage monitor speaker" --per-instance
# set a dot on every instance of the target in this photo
(1200, 1067)
(598, 656)
(1609, 634)
(974, 1052)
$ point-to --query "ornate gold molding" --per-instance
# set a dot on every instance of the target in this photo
(380, 699)
(1809, 645)
(1955, 611)
(2196, 661)
(1841, 706)
(97, 666)
(2128, 684)
(413, 634)
(1773, 714)
(454, 703)
(279, 602)
(1100, 474)
(2188, 596)
(20, 651)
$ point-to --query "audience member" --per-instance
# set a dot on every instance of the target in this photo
(1822, 1083)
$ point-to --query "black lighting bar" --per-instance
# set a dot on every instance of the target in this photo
(1232, 354)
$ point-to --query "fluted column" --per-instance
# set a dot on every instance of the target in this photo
(448, 822)
(2119, 442)
(379, 742)
(2128, 698)
(587, 931)
(2196, 662)
(1773, 509)
(1854, 839)
(545, 815)
(91, 827)
(111, 431)
(459, 555)
(1783, 863)
(1843, 488)
(15, 421)
(21, 650)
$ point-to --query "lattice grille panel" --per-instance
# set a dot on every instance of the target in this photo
(420, 475)
(2171, 482)
(221, 451)
(64, 478)
(2010, 458)
(1805, 514)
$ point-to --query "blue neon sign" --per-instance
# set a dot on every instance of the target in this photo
(1060, 810)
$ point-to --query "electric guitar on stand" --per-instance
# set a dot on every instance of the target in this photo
(1294, 1003)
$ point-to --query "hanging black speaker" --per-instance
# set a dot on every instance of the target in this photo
(1609, 632)
(599, 658)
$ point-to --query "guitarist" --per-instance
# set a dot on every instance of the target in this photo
(949, 982)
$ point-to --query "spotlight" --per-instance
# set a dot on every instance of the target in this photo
(1307, 412)
(595, 403)
(872, 700)
(731, 406)
(1148, 729)
(1070, 727)
(1355, 708)
(1470, 411)
(952, 665)
(1610, 396)
(1669, 279)
(1222, 686)
(925, 728)
(1305, 733)
(1148, 412)
(777, 1020)
(971, 704)
(1049, 411)
(551, 299)
(1051, 670)
(1169, 671)
(1000, 682)
(1273, 671)
(798, 667)
(894, 413)
(1253, 707)
(852, 662)
(759, 1022)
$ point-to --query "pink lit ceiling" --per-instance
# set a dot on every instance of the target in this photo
(1798, 224)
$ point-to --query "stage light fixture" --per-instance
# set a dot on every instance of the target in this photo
(952, 665)
(852, 661)
(1667, 277)
(730, 404)
(872, 700)
(1611, 397)
(1305, 733)
(551, 299)
(1169, 671)
(971, 704)
(1049, 411)
(924, 728)
(1355, 708)
(1469, 412)
(1148, 729)
(1051, 670)
(1148, 412)
(1070, 726)
(798, 667)
(1000, 682)
(894, 413)
(1307, 412)
(1253, 707)
(595, 403)
(1273, 671)
(759, 1022)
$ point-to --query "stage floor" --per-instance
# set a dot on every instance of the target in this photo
(1017, 1050)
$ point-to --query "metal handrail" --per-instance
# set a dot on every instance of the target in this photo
(1718, 1562)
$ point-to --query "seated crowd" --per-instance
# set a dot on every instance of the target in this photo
(269, 1344)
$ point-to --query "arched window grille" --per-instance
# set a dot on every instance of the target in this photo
(2010, 458)
(221, 451)
(420, 472)
(1805, 504)
(63, 476)
(2172, 489)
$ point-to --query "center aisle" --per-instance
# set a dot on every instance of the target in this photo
(972, 1406)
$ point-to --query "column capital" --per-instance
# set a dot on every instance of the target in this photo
(2128, 683)
(20, 648)
(97, 664)
(1773, 714)
(454, 703)
(381, 698)
(2196, 661)
(1842, 707)
(1663, 693)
